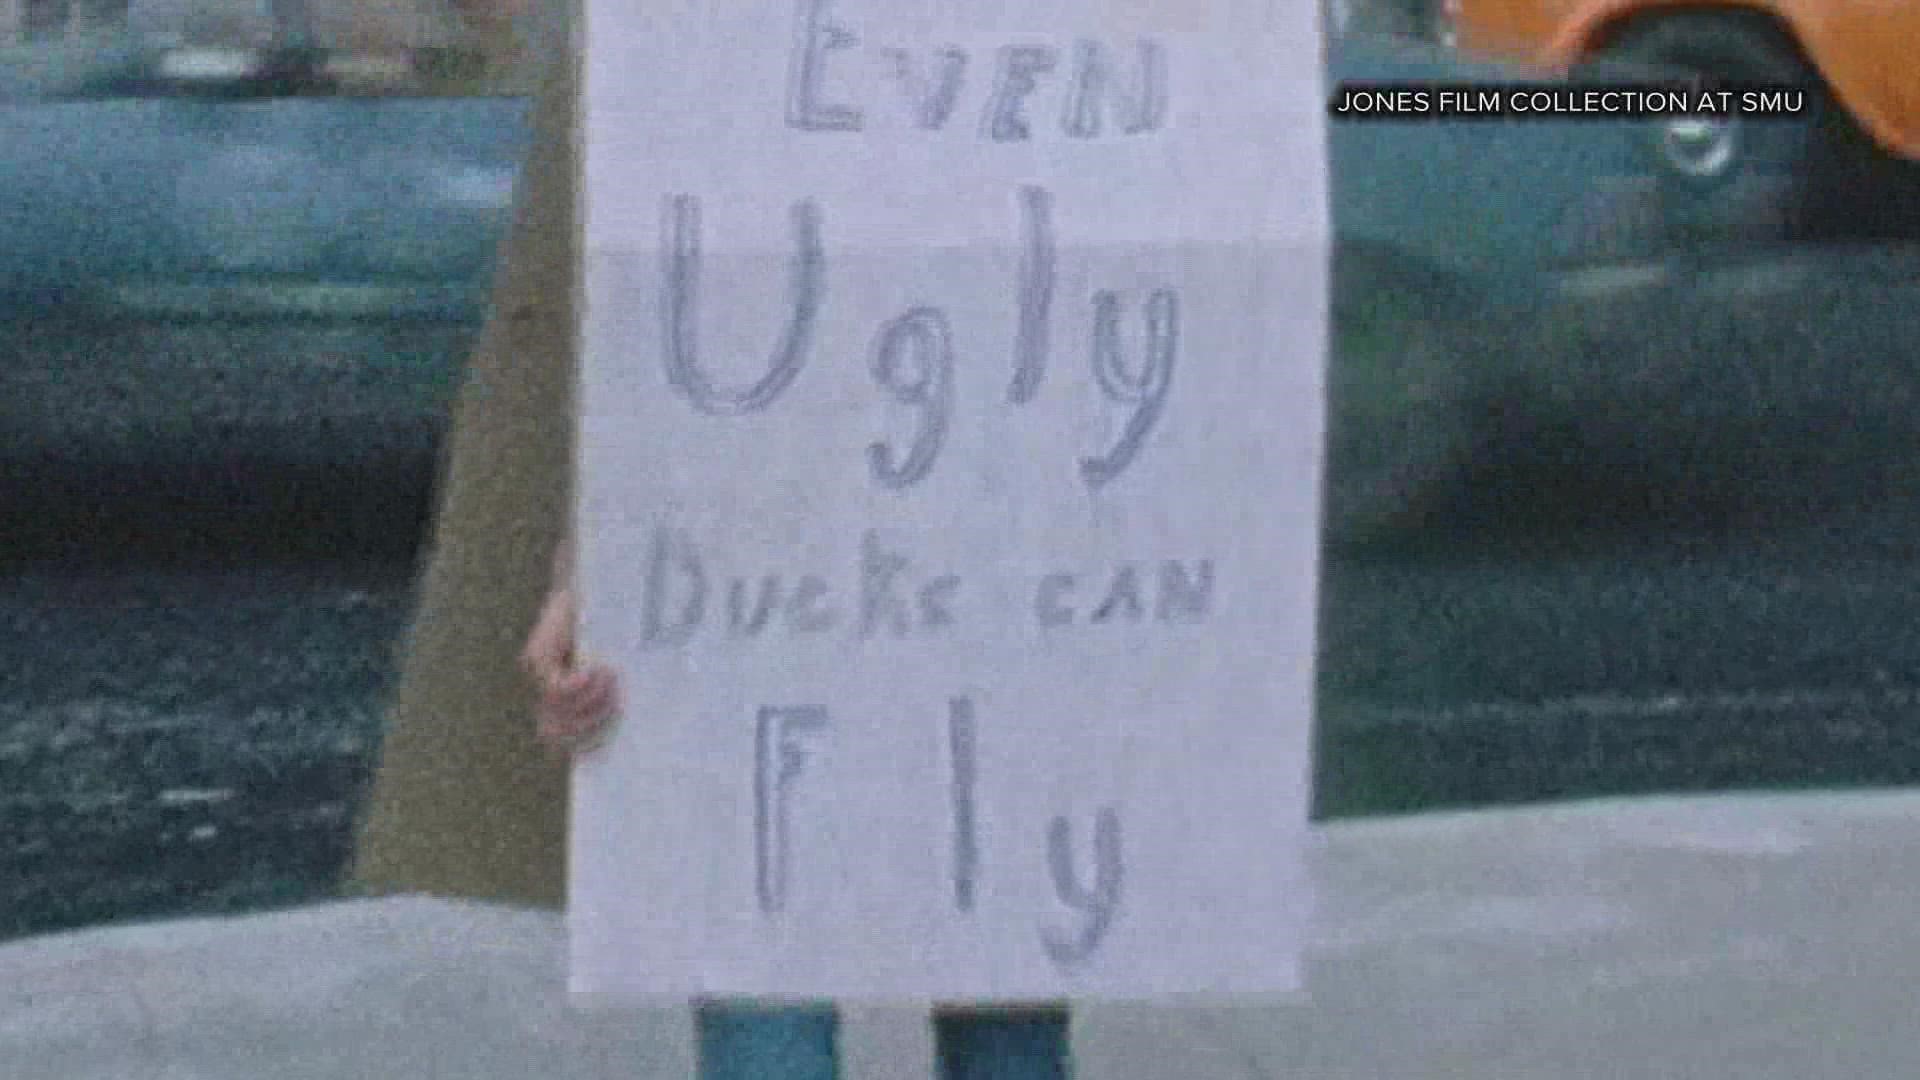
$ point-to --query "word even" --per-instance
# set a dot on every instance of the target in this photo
(933, 93)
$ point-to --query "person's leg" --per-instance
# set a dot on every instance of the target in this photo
(746, 1041)
(1024, 1043)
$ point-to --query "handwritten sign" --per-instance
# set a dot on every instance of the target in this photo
(951, 427)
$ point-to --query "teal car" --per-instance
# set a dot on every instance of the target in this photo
(201, 257)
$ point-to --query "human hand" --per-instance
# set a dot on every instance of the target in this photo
(576, 703)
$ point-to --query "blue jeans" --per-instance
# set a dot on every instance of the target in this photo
(759, 1042)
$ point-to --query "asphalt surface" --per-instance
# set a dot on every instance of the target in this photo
(1682, 559)
(184, 739)
(207, 537)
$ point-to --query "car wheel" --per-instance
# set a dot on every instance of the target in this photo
(1399, 406)
(1699, 155)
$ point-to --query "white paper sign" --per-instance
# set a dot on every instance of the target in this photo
(949, 496)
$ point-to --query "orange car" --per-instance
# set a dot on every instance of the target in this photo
(1860, 57)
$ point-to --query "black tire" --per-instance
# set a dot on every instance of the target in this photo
(1699, 160)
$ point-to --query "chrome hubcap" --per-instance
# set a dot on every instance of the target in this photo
(1702, 147)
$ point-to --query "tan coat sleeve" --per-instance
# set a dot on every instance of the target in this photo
(464, 802)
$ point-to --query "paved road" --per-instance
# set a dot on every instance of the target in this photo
(184, 738)
(1615, 603)
(207, 536)
(180, 738)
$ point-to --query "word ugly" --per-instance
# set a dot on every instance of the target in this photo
(912, 360)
